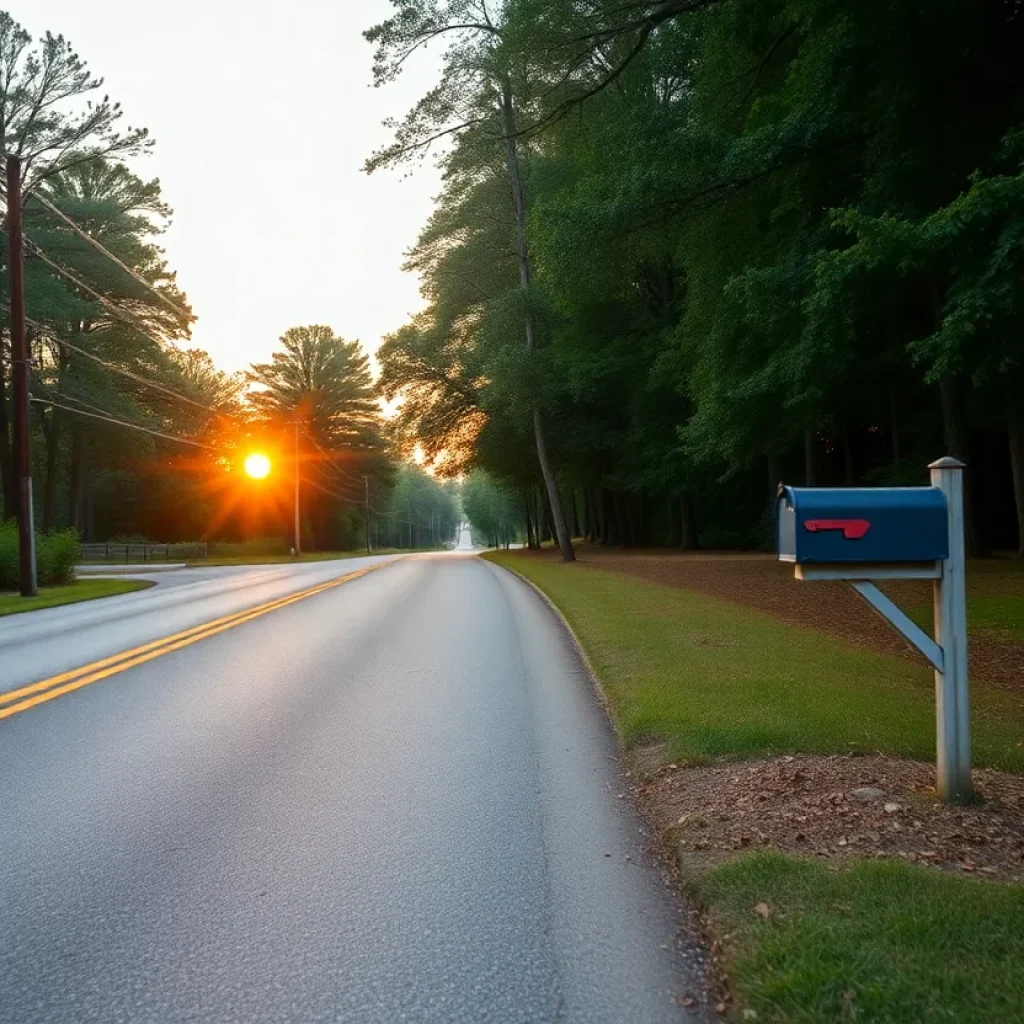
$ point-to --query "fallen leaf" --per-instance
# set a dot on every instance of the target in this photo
(763, 910)
(686, 1000)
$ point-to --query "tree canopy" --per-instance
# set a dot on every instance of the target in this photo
(766, 240)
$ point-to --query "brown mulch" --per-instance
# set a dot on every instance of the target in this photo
(809, 805)
(760, 582)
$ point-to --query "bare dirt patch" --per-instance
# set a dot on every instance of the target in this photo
(838, 807)
(758, 581)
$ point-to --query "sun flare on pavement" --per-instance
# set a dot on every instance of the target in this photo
(257, 466)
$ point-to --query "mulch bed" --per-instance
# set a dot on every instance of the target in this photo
(758, 581)
(838, 807)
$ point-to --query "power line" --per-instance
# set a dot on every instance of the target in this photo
(89, 290)
(326, 490)
(120, 370)
(125, 373)
(87, 405)
(120, 423)
(327, 455)
(106, 252)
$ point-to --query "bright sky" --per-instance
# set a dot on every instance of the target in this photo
(263, 114)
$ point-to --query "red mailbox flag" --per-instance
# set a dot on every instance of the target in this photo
(853, 529)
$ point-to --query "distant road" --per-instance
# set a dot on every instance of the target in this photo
(396, 800)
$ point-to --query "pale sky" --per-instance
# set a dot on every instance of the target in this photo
(263, 114)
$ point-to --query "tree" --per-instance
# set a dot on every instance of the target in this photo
(36, 88)
(323, 383)
(47, 121)
(477, 91)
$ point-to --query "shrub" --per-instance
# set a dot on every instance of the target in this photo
(56, 557)
(8, 556)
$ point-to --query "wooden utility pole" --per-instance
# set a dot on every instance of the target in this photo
(366, 515)
(298, 521)
(20, 380)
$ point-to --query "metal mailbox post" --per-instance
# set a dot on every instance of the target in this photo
(892, 533)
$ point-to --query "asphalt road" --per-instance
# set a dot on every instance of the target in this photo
(395, 801)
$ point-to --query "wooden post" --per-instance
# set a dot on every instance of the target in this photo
(952, 705)
(298, 517)
(20, 380)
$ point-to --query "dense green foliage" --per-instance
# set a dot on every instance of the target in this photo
(418, 511)
(492, 509)
(56, 557)
(767, 240)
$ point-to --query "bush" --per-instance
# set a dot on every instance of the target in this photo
(8, 556)
(56, 557)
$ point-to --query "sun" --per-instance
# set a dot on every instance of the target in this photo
(257, 466)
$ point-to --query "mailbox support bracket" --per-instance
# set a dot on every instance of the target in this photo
(893, 614)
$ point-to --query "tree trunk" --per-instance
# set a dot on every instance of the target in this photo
(688, 538)
(810, 462)
(620, 520)
(531, 542)
(7, 479)
(523, 255)
(575, 515)
(51, 435)
(1015, 430)
(955, 437)
(75, 489)
(597, 511)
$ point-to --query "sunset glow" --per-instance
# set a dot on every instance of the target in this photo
(257, 466)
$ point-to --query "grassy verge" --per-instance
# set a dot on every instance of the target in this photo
(712, 679)
(72, 593)
(872, 942)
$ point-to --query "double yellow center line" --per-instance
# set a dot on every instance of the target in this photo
(13, 702)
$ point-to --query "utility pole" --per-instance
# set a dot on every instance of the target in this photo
(366, 485)
(20, 379)
(298, 526)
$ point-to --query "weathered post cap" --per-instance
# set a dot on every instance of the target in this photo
(947, 462)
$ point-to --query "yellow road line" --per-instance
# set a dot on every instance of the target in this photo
(48, 689)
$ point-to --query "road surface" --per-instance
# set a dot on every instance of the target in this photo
(396, 800)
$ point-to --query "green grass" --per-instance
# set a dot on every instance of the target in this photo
(989, 616)
(716, 680)
(872, 942)
(72, 593)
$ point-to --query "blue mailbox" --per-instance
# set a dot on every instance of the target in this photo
(865, 525)
(898, 533)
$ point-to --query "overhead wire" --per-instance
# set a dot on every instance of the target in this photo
(138, 378)
(106, 252)
(120, 423)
